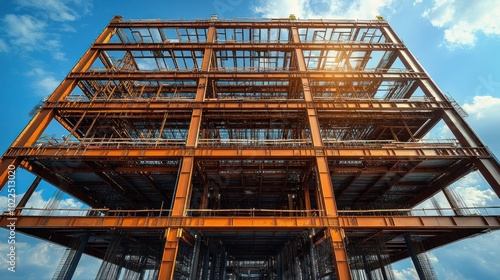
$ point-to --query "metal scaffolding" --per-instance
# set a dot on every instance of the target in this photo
(249, 149)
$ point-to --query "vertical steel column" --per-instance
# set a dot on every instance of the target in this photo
(216, 261)
(340, 254)
(222, 273)
(312, 258)
(196, 257)
(286, 258)
(325, 183)
(183, 189)
(179, 207)
(167, 267)
(194, 128)
(205, 65)
(206, 262)
(381, 263)
(282, 266)
(488, 167)
(336, 233)
(122, 263)
(305, 265)
(298, 269)
(366, 266)
(414, 257)
(279, 266)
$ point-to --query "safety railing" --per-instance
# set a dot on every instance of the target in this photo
(254, 142)
(254, 212)
(420, 143)
(110, 142)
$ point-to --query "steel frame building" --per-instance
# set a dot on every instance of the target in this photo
(248, 149)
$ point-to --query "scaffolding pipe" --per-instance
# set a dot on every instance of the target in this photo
(195, 258)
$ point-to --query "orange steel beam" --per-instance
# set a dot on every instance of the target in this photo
(330, 210)
(7, 165)
(182, 75)
(148, 105)
(141, 152)
(288, 46)
(326, 188)
(341, 260)
(34, 128)
(194, 129)
(252, 23)
(205, 223)
(183, 190)
(205, 66)
(314, 126)
(167, 266)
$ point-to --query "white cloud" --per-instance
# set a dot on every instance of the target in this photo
(440, 131)
(39, 29)
(37, 201)
(406, 274)
(484, 115)
(44, 82)
(306, 9)
(3, 46)
(474, 197)
(474, 191)
(41, 255)
(463, 20)
(25, 31)
(67, 28)
(483, 107)
(59, 56)
(475, 254)
(56, 10)
(47, 85)
(37, 259)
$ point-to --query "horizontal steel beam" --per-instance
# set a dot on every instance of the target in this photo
(270, 75)
(250, 23)
(111, 152)
(419, 223)
(224, 45)
(163, 104)
(393, 223)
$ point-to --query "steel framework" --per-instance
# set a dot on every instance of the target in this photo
(248, 149)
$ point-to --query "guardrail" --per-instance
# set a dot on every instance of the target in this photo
(253, 212)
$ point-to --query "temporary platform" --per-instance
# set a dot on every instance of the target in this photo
(249, 149)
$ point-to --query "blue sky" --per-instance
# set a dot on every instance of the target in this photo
(456, 41)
